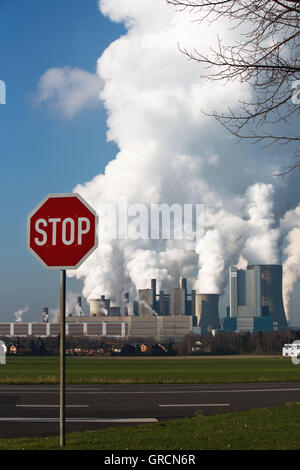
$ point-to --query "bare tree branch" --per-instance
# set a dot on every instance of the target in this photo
(267, 58)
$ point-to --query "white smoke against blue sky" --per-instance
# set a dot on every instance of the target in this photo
(170, 152)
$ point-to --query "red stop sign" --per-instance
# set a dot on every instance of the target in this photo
(61, 231)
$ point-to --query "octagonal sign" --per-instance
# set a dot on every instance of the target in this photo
(62, 231)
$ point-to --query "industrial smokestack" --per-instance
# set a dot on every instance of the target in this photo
(207, 312)
(78, 306)
(105, 305)
(153, 287)
(126, 302)
(161, 303)
(271, 292)
(182, 283)
(193, 303)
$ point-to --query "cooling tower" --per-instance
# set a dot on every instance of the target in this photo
(271, 293)
(95, 307)
(207, 312)
(99, 307)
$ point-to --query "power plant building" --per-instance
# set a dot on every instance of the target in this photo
(167, 314)
(177, 301)
(256, 302)
(159, 328)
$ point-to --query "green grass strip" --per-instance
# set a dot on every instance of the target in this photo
(45, 370)
(275, 428)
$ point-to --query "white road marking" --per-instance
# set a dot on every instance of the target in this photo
(80, 420)
(154, 392)
(199, 404)
(52, 406)
(162, 392)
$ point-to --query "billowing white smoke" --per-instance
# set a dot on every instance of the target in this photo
(170, 152)
(19, 314)
(147, 308)
(251, 236)
(54, 315)
(290, 227)
(72, 307)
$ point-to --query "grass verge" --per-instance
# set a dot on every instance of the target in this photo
(275, 428)
(45, 370)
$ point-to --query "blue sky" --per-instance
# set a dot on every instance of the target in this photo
(42, 152)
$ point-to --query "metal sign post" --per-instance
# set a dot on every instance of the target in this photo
(61, 234)
(62, 358)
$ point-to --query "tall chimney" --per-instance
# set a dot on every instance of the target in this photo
(126, 302)
(153, 287)
(193, 304)
(78, 306)
(182, 283)
(161, 303)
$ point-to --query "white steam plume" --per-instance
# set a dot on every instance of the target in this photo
(54, 315)
(170, 152)
(71, 307)
(19, 314)
(290, 227)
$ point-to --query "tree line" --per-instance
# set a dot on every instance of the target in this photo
(261, 343)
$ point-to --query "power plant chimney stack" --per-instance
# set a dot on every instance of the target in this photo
(78, 306)
(153, 287)
(183, 286)
(126, 302)
(193, 305)
(183, 283)
(161, 303)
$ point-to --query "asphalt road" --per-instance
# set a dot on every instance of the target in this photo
(28, 410)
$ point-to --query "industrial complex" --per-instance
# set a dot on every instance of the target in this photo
(256, 302)
(255, 305)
